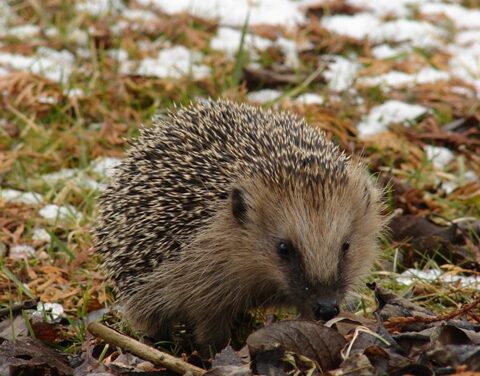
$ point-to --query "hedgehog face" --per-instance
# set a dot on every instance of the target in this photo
(317, 241)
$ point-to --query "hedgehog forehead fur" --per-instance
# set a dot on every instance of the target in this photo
(176, 246)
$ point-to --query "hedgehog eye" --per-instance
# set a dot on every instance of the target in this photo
(239, 206)
(285, 249)
(345, 248)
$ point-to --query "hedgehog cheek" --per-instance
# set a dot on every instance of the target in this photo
(238, 205)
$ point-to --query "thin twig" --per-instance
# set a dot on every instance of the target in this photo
(143, 351)
(396, 321)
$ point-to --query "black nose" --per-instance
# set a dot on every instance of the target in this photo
(325, 310)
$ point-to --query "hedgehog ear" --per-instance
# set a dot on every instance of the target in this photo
(239, 206)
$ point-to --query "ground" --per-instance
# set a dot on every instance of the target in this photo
(397, 83)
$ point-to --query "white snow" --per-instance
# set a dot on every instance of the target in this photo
(118, 54)
(21, 251)
(418, 33)
(465, 63)
(340, 73)
(467, 38)
(390, 112)
(54, 65)
(14, 196)
(264, 95)
(74, 93)
(367, 26)
(51, 312)
(175, 62)
(61, 175)
(47, 99)
(309, 98)
(234, 12)
(42, 235)
(269, 95)
(228, 39)
(439, 156)
(290, 50)
(358, 26)
(462, 17)
(385, 51)
(54, 212)
(99, 7)
(139, 15)
(105, 166)
(382, 8)
(23, 31)
(396, 78)
(73, 176)
(411, 276)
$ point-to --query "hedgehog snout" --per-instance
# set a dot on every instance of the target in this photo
(325, 309)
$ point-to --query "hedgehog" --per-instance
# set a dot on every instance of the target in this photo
(221, 208)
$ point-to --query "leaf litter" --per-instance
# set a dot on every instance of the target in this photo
(77, 81)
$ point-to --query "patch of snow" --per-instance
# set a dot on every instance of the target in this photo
(367, 26)
(139, 15)
(47, 99)
(77, 36)
(390, 112)
(105, 166)
(396, 79)
(309, 98)
(175, 62)
(54, 65)
(411, 276)
(470, 176)
(83, 53)
(467, 38)
(23, 31)
(76, 177)
(74, 93)
(61, 175)
(54, 212)
(462, 17)
(465, 64)
(439, 156)
(340, 73)
(99, 7)
(234, 12)
(290, 50)
(358, 26)
(228, 40)
(86, 182)
(21, 251)
(385, 51)
(51, 312)
(462, 90)
(398, 8)
(6, 14)
(418, 33)
(41, 235)
(118, 54)
(14, 196)
(264, 95)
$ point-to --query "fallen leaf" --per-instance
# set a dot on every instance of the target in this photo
(27, 356)
(309, 339)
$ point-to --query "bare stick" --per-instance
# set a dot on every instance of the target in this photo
(143, 351)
